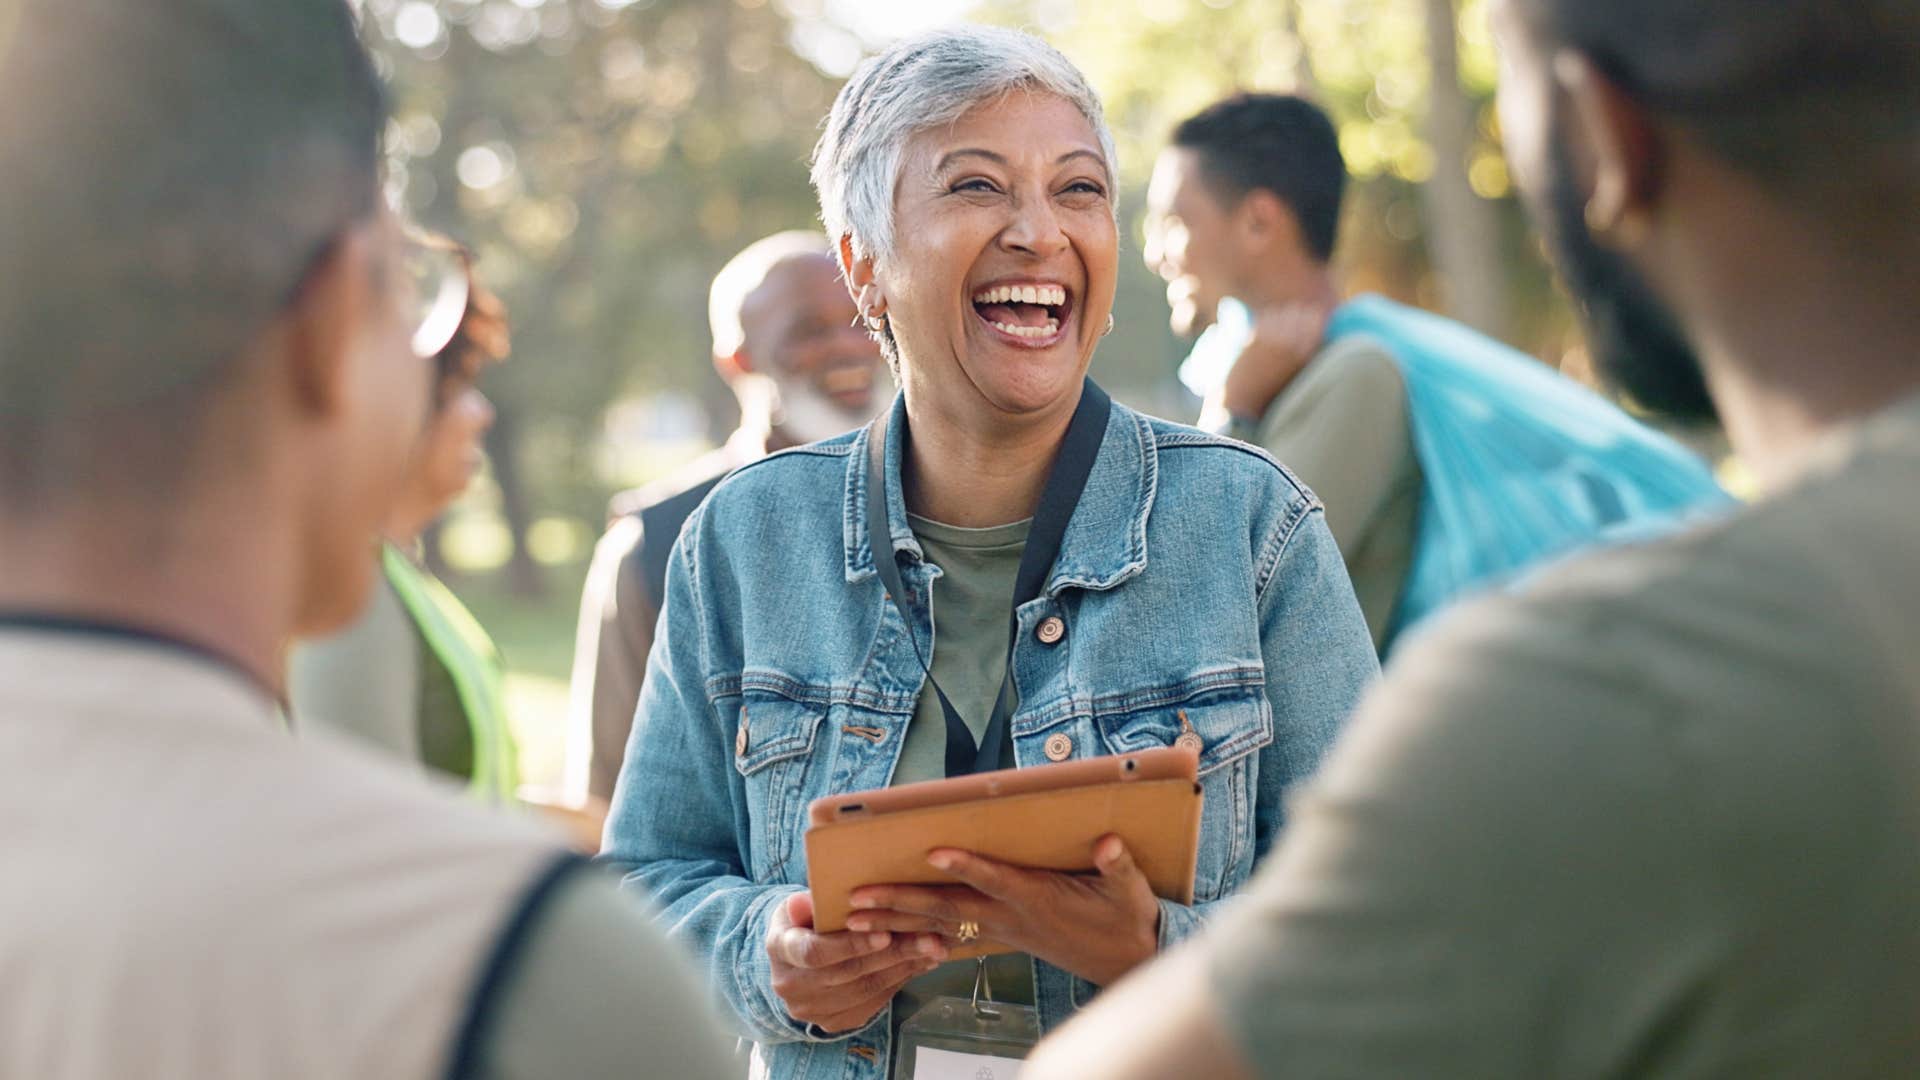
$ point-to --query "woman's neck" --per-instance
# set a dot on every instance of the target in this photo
(977, 479)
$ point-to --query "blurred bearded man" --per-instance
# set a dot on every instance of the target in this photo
(785, 342)
(1656, 814)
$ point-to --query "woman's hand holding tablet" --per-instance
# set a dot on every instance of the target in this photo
(1098, 926)
(1060, 861)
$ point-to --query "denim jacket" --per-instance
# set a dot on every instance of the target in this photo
(1197, 581)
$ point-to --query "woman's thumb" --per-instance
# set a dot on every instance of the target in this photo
(800, 909)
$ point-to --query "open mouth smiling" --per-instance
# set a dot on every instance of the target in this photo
(1026, 314)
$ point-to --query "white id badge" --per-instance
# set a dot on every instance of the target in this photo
(953, 1038)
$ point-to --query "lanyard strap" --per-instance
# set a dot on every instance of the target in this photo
(1058, 498)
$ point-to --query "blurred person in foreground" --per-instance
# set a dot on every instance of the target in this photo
(1446, 460)
(1066, 583)
(787, 343)
(1659, 813)
(213, 374)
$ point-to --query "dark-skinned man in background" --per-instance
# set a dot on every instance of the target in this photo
(785, 344)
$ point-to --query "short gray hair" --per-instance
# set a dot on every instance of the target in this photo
(921, 83)
(746, 272)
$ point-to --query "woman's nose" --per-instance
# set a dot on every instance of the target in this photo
(1035, 229)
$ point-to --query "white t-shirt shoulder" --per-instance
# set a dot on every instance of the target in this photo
(193, 893)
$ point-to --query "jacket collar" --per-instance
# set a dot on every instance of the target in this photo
(1106, 540)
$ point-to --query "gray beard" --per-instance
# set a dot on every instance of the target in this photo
(805, 415)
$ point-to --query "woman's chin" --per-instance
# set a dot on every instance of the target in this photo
(1030, 387)
(1024, 380)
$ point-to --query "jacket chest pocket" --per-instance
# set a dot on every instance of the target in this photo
(773, 751)
(1229, 728)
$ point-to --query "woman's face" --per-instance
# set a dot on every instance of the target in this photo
(450, 452)
(1003, 273)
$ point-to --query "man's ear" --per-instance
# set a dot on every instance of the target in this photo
(862, 278)
(1266, 221)
(1613, 138)
(317, 329)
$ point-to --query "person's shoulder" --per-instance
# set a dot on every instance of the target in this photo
(1780, 608)
(1358, 355)
(337, 774)
(292, 827)
(1189, 456)
(827, 455)
(786, 492)
(1355, 374)
(703, 471)
(796, 472)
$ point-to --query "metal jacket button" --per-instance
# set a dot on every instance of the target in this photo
(1059, 747)
(1050, 630)
(1189, 739)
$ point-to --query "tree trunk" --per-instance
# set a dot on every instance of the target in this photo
(1463, 230)
(523, 576)
(1304, 83)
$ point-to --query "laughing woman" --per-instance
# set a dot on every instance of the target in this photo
(1163, 586)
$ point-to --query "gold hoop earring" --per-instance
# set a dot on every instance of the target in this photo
(1109, 328)
(875, 323)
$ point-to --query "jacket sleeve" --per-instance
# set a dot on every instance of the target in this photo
(1319, 660)
(678, 822)
(610, 653)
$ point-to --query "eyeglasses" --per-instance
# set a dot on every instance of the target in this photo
(434, 286)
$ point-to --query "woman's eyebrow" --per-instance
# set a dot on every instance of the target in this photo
(1000, 159)
(951, 155)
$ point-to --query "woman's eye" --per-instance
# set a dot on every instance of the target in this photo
(975, 184)
(1086, 187)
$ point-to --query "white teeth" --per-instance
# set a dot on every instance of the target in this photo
(1032, 332)
(1052, 295)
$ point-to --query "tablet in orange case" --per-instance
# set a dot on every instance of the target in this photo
(1046, 816)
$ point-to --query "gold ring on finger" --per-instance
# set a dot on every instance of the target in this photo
(968, 932)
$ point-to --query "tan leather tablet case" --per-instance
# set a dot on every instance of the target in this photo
(1052, 830)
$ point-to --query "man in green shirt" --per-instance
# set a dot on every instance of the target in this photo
(1447, 461)
(1242, 218)
(1656, 814)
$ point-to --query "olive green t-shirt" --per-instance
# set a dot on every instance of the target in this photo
(1653, 813)
(1341, 426)
(972, 603)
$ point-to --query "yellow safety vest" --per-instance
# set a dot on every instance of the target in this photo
(462, 647)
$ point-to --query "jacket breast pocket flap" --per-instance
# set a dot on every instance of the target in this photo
(1227, 724)
(774, 729)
